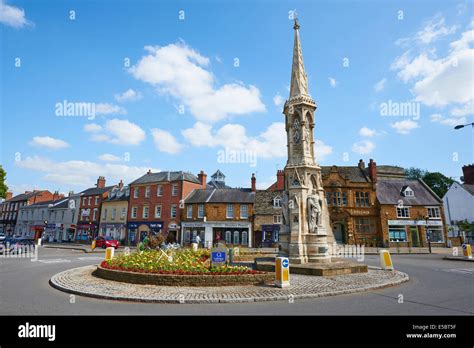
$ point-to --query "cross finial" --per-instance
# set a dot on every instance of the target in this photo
(297, 25)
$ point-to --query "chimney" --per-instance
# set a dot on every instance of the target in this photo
(149, 171)
(468, 172)
(55, 195)
(362, 164)
(26, 192)
(254, 183)
(372, 170)
(120, 185)
(101, 182)
(8, 195)
(280, 180)
(70, 193)
(202, 178)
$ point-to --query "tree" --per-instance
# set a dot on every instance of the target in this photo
(413, 173)
(3, 186)
(438, 182)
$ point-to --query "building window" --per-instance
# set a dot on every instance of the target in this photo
(403, 212)
(277, 219)
(277, 202)
(96, 200)
(114, 212)
(236, 238)
(435, 234)
(158, 211)
(174, 190)
(337, 198)
(147, 191)
(364, 225)
(159, 191)
(433, 213)
(230, 211)
(123, 213)
(135, 192)
(228, 237)
(189, 211)
(105, 214)
(200, 211)
(397, 233)
(174, 210)
(83, 200)
(145, 212)
(94, 215)
(245, 240)
(362, 199)
(408, 192)
(134, 212)
(89, 201)
(244, 211)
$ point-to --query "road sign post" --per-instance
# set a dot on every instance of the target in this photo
(386, 260)
(282, 272)
(218, 256)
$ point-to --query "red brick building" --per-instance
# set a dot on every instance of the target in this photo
(155, 203)
(90, 210)
(10, 207)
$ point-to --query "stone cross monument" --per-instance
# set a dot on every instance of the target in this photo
(306, 232)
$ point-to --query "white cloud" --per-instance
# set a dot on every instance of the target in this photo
(380, 86)
(81, 173)
(441, 82)
(13, 16)
(115, 131)
(367, 132)
(332, 82)
(109, 109)
(49, 142)
(363, 147)
(165, 141)
(321, 150)
(128, 96)
(448, 121)
(107, 157)
(405, 126)
(180, 71)
(278, 100)
(434, 29)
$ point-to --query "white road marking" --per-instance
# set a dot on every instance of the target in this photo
(54, 260)
(461, 270)
(90, 258)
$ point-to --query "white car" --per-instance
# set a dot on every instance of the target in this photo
(2, 237)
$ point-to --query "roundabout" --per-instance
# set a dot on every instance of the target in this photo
(82, 281)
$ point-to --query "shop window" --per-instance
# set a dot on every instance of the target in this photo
(435, 234)
(236, 238)
(397, 233)
(364, 225)
(228, 237)
(187, 236)
(245, 238)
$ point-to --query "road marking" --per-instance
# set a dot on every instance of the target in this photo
(54, 260)
(90, 258)
(460, 270)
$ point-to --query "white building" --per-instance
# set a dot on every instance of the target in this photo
(459, 206)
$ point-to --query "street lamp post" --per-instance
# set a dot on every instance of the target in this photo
(428, 237)
(464, 125)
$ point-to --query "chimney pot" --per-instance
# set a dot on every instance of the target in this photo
(101, 182)
(373, 170)
(468, 171)
(202, 178)
(254, 182)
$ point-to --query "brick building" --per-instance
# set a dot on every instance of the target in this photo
(219, 214)
(90, 210)
(411, 214)
(10, 207)
(154, 203)
(114, 211)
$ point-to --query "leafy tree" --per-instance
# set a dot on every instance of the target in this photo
(413, 173)
(438, 182)
(3, 186)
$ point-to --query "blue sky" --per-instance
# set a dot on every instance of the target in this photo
(216, 80)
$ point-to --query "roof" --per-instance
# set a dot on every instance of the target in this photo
(217, 184)
(264, 202)
(389, 192)
(118, 194)
(468, 188)
(352, 173)
(234, 195)
(96, 190)
(217, 174)
(44, 203)
(389, 172)
(25, 196)
(166, 177)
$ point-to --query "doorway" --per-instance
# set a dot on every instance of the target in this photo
(339, 235)
(415, 238)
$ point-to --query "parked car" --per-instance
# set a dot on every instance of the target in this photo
(3, 236)
(105, 242)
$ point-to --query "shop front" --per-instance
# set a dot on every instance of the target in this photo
(269, 235)
(138, 230)
(212, 233)
(173, 232)
(86, 232)
(36, 232)
(114, 230)
(416, 233)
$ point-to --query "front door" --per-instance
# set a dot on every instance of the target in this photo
(415, 240)
(339, 233)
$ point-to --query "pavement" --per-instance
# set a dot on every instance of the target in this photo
(436, 287)
(86, 248)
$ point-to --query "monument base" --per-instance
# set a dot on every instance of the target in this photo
(333, 268)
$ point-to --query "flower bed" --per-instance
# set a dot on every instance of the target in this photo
(182, 267)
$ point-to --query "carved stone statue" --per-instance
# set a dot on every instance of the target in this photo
(284, 209)
(314, 212)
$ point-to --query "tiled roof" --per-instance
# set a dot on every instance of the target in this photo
(234, 195)
(44, 203)
(469, 188)
(117, 194)
(264, 202)
(166, 177)
(96, 190)
(352, 173)
(389, 192)
(25, 196)
(217, 184)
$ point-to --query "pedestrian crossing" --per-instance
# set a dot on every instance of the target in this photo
(54, 261)
(90, 258)
(460, 270)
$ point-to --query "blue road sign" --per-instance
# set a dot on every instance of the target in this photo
(285, 263)
(218, 256)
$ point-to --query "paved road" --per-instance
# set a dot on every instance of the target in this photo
(437, 287)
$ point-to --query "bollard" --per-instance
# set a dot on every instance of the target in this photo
(93, 245)
(467, 251)
(282, 272)
(39, 241)
(386, 260)
(109, 253)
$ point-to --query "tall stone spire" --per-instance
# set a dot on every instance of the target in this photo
(299, 80)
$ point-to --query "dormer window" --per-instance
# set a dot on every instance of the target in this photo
(277, 202)
(407, 192)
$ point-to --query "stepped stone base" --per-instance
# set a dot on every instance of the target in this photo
(335, 267)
